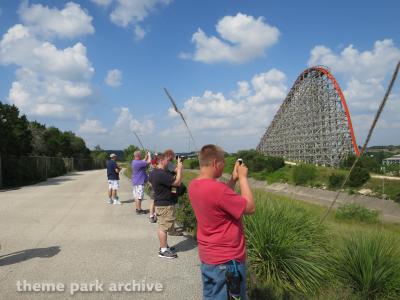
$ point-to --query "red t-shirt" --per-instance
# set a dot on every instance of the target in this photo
(218, 212)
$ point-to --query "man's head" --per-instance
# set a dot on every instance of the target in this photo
(211, 157)
(169, 153)
(162, 161)
(113, 156)
(137, 154)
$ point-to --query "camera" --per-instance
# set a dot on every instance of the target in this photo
(240, 161)
(182, 157)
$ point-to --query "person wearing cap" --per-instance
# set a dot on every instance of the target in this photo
(113, 179)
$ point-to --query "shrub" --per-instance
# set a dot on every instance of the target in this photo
(369, 263)
(185, 215)
(258, 162)
(304, 173)
(260, 175)
(357, 212)
(335, 180)
(229, 164)
(194, 164)
(358, 177)
(397, 198)
(286, 247)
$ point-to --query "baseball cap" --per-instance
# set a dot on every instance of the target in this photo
(113, 155)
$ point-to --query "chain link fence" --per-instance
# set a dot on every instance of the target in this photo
(24, 170)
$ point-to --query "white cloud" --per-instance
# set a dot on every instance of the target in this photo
(363, 77)
(242, 38)
(126, 124)
(114, 78)
(213, 116)
(92, 127)
(367, 65)
(139, 33)
(102, 2)
(49, 81)
(70, 22)
(39, 95)
(132, 12)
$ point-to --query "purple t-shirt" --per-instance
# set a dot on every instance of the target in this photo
(139, 175)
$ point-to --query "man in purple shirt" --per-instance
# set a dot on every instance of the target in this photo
(139, 178)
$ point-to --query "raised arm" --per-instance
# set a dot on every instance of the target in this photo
(245, 190)
(178, 177)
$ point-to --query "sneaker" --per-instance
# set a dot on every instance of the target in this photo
(117, 202)
(170, 248)
(167, 254)
(143, 212)
(138, 211)
(153, 219)
(110, 201)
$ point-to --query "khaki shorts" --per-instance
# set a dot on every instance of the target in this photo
(165, 217)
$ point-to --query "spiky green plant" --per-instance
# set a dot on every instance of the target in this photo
(369, 263)
(353, 211)
(287, 247)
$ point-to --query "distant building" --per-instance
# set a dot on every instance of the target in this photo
(392, 160)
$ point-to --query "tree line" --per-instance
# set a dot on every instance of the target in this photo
(20, 137)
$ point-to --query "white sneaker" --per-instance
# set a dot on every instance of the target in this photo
(117, 202)
(110, 201)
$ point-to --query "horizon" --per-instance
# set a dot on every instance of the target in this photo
(98, 68)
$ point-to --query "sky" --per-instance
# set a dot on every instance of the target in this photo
(98, 67)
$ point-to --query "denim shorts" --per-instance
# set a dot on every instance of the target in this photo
(214, 285)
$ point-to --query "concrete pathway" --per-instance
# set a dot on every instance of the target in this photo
(61, 235)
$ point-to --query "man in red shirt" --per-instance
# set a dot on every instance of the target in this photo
(220, 236)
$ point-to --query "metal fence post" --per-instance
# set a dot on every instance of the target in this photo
(1, 175)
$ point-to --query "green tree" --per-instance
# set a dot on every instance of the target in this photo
(15, 136)
(128, 152)
(358, 177)
(98, 153)
(257, 161)
(38, 130)
(54, 141)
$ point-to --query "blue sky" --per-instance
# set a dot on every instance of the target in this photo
(97, 67)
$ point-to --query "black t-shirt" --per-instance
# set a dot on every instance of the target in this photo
(161, 181)
(111, 174)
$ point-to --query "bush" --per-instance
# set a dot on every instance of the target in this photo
(357, 212)
(194, 164)
(358, 177)
(397, 198)
(185, 215)
(304, 173)
(229, 164)
(369, 263)
(261, 175)
(258, 162)
(335, 180)
(286, 246)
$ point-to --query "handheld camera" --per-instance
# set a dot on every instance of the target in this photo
(182, 157)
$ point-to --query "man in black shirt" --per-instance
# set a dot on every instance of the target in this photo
(165, 185)
(113, 179)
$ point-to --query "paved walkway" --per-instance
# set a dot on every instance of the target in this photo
(62, 232)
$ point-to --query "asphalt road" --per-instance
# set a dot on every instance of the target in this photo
(60, 236)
